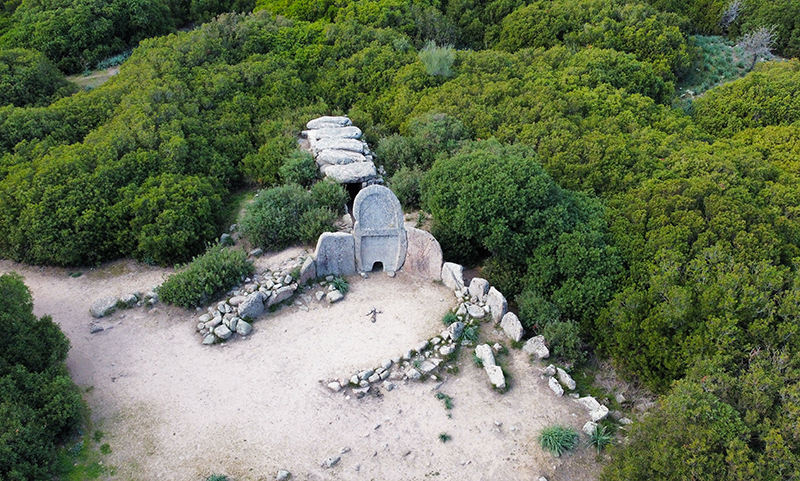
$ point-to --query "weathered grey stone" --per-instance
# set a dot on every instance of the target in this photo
(447, 349)
(257, 252)
(537, 347)
(421, 346)
(335, 296)
(549, 371)
(339, 157)
(214, 322)
(413, 374)
(484, 353)
(427, 366)
(243, 328)
(496, 376)
(555, 386)
(423, 255)
(280, 295)
(589, 428)
(253, 306)
(478, 288)
(565, 379)
(204, 318)
(353, 145)
(282, 475)
(331, 462)
(328, 121)
(378, 230)
(497, 304)
(374, 378)
(347, 132)
(232, 323)
(475, 311)
(308, 271)
(209, 339)
(104, 307)
(335, 254)
(351, 173)
(129, 300)
(222, 332)
(512, 327)
(236, 300)
(335, 386)
(319, 295)
(95, 328)
(625, 421)
(226, 239)
(597, 411)
(453, 276)
(388, 385)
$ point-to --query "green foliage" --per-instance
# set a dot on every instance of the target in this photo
(535, 311)
(264, 166)
(299, 168)
(653, 36)
(405, 185)
(444, 437)
(41, 404)
(564, 340)
(28, 78)
(206, 277)
(783, 14)
(745, 103)
(719, 62)
(427, 136)
(217, 477)
(449, 318)
(447, 400)
(471, 333)
(600, 438)
(330, 195)
(341, 284)
(437, 60)
(284, 215)
(558, 439)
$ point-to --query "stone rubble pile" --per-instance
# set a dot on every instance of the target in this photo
(108, 305)
(558, 379)
(340, 154)
(248, 302)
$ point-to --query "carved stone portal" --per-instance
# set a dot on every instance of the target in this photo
(378, 230)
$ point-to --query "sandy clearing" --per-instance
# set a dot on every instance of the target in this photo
(173, 409)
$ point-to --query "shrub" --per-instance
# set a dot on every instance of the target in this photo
(535, 312)
(437, 60)
(264, 166)
(558, 439)
(405, 185)
(314, 222)
(600, 438)
(564, 340)
(299, 168)
(29, 78)
(396, 151)
(206, 277)
(449, 318)
(341, 284)
(328, 193)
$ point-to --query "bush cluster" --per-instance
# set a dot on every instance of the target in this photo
(206, 277)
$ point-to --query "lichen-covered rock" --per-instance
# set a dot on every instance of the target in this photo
(328, 121)
(555, 386)
(537, 347)
(484, 353)
(423, 255)
(496, 376)
(104, 307)
(308, 271)
(243, 328)
(565, 379)
(222, 332)
(335, 254)
(478, 288)
(453, 276)
(252, 306)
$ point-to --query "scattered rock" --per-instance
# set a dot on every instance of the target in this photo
(334, 386)
(496, 376)
(597, 411)
(209, 339)
(589, 427)
(512, 327)
(484, 353)
(413, 374)
(498, 306)
(620, 397)
(104, 307)
(555, 386)
(475, 311)
(447, 349)
(222, 332)
(335, 296)
(253, 306)
(331, 462)
(549, 371)
(257, 252)
(129, 300)
(243, 328)
(456, 329)
(478, 288)
(283, 475)
(565, 379)
(279, 295)
(95, 328)
(537, 347)
(236, 300)
(453, 276)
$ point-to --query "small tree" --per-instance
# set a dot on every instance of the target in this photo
(730, 14)
(758, 43)
(437, 60)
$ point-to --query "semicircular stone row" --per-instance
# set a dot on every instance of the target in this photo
(339, 151)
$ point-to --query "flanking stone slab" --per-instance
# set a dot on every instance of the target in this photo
(354, 173)
(335, 254)
(352, 145)
(423, 255)
(308, 272)
(378, 229)
(453, 276)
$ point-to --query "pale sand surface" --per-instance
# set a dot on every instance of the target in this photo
(172, 409)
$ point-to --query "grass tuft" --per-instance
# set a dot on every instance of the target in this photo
(558, 439)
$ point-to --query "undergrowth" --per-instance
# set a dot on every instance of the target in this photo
(719, 61)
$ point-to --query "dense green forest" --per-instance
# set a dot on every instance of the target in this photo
(542, 136)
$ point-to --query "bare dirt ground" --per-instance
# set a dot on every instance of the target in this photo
(173, 409)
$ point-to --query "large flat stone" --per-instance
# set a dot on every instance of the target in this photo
(485, 354)
(353, 145)
(335, 254)
(424, 255)
(496, 376)
(339, 157)
(512, 327)
(351, 173)
(104, 307)
(327, 121)
(349, 132)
